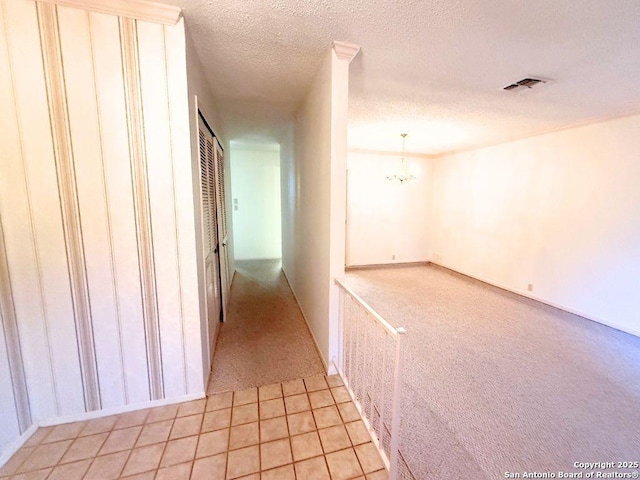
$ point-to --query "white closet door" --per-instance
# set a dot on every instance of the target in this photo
(210, 234)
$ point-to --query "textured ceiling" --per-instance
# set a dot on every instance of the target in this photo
(433, 69)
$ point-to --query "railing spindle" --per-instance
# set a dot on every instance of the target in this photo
(341, 295)
(383, 400)
(396, 413)
(372, 380)
(350, 374)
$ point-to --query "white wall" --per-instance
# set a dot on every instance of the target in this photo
(288, 194)
(255, 180)
(387, 219)
(306, 264)
(313, 210)
(559, 211)
(67, 197)
(11, 432)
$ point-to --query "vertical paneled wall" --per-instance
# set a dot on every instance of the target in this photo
(14, 397)
(96, 207)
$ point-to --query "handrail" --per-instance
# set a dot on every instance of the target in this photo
(359, 392)
(390, 328)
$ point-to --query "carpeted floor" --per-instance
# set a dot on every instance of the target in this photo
(265, 340)
(499, 383)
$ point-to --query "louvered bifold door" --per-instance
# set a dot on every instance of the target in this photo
(221, 191)
(209, 234)
(206, 199)
(211, 195)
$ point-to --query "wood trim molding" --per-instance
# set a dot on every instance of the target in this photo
(144, 10)
(70, 208)
(142, 208)
(346, 51)
(9, 324)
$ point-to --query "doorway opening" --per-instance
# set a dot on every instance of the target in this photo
(255, 185)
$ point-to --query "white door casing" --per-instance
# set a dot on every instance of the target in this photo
(221, 214)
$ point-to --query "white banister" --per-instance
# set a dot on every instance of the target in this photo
(370, 362)
(397, 387)
(370, 311)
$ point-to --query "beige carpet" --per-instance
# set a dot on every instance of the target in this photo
(265, 339)
(499, 383)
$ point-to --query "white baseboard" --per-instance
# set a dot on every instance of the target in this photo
(106, 412)
(371, 266)
(306, 321)
(12, 448)
(526, 294)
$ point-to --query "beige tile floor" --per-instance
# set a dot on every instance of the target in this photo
(303, 429)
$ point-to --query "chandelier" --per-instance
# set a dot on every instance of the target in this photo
(402, 174)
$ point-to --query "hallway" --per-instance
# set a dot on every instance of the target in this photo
(265, 339)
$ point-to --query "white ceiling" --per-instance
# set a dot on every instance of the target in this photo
(433, 69)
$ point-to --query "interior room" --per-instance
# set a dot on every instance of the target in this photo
(330, 240)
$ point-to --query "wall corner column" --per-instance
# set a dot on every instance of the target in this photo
(341, 56)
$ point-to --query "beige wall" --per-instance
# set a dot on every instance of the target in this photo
(313, 195)
(96, 204)
(255, 179)
(288, 194)
(306, 263)
(15, 416)
(387, 220)
(559, 211)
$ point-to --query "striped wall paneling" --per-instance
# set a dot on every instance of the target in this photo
(97, 258)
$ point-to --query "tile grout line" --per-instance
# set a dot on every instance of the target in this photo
(326, 461)
(15, 470)
(93, 459)
(164, 449)
(195, 452)
(133, 446)
(286, 422)
(259, 442)
(226, 463)
(324, 456)
(146, 421)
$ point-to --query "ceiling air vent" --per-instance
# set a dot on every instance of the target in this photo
(525, 82)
